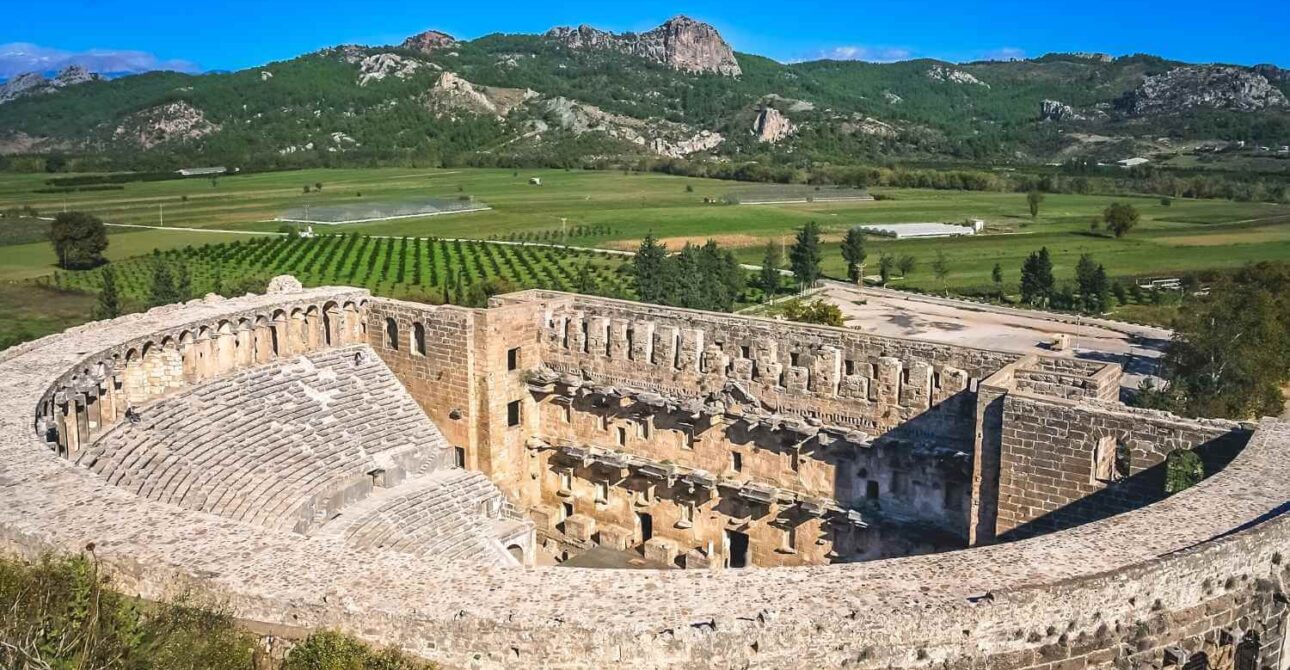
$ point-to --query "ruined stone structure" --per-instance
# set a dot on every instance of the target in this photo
(407, 472)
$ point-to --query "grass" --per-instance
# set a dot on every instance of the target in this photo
(28, 311)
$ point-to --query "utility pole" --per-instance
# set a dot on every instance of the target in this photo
(564, 228)
(161, 214)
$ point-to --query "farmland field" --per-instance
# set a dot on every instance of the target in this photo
(605, 209)
(398, 267)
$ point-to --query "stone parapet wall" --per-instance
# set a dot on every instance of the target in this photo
(1203, 571)
(1066, 463)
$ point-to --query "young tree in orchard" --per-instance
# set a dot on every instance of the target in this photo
(1230, 355)
(1120, 218)
(109, 303)
(648, 264)
(1037, 282)
(1033, 200)
(768, 277)
(805, 255)
(941, 268)
(853, 252)
(79, 240)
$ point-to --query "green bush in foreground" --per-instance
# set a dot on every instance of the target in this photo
(61, 613)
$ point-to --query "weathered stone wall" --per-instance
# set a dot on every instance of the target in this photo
(1201, 571)
(1049, 475)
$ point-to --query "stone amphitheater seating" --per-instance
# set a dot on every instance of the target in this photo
(284, 446)
(452, 514)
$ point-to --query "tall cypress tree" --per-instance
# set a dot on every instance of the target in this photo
(1037, 283)
(109, 305)
(768, 278)
(162, 290)
(648, 264)
(853, 252)
(805, 255)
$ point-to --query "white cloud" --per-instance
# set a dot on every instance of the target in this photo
(19, 57)
(1004, 53)
(871, 54)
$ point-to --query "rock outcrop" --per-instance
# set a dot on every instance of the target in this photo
(451, 93)
(661, 137)
(946, 74)
(771, 126)
(34, 83)
(681, 43)
(430, 41)
(171, 122)
(1055, 110)
(1203, 86)
(379, 66)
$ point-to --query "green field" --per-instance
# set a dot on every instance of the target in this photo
(615, 209)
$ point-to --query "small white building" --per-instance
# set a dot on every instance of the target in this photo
(905, 231)
(535, 181)
(1132, 162)
(202, 171)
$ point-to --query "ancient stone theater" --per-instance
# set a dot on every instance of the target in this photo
(563, 481)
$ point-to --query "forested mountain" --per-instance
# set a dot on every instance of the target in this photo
(574, 96)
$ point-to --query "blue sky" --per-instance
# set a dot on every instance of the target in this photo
(233, 34)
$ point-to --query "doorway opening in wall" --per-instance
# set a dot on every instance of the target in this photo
(566, 511)
(459, 457)
(737, 549)
(646, 522)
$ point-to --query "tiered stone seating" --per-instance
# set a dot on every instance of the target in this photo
(283, 446)
(452, 514)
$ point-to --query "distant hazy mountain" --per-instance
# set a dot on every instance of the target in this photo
(577, 95)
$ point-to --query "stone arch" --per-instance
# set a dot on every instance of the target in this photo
(244, 343)
(224, 348)
(188, 355)
(279, 342)
(391, 334)
(331, 330)
(419, 338)
(297, 332)
(516, 552)
(134, 378)
(263, 338)
(350, 323)
(313, 328)
(1247, 652)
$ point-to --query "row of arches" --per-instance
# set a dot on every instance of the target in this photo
(99, 394)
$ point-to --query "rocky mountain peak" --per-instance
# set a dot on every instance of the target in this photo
(771, 125)
(34, 83)
(681, 43)
(430, 41)
(1203, 86)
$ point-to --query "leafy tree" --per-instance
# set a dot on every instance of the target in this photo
(1037, 282)
(996, 275)
(648, 265)
(109, 302)
(941, 268)
(906, 264)
(1231, 350)
(805, 255)
(586, 282)
(1183, 470)
(815, 311)
(162, 290)
(853, 252)
(55, 163)
(1120, 218)
(79, 240)
(1033, 200)
(886, 263)
(768, 277)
